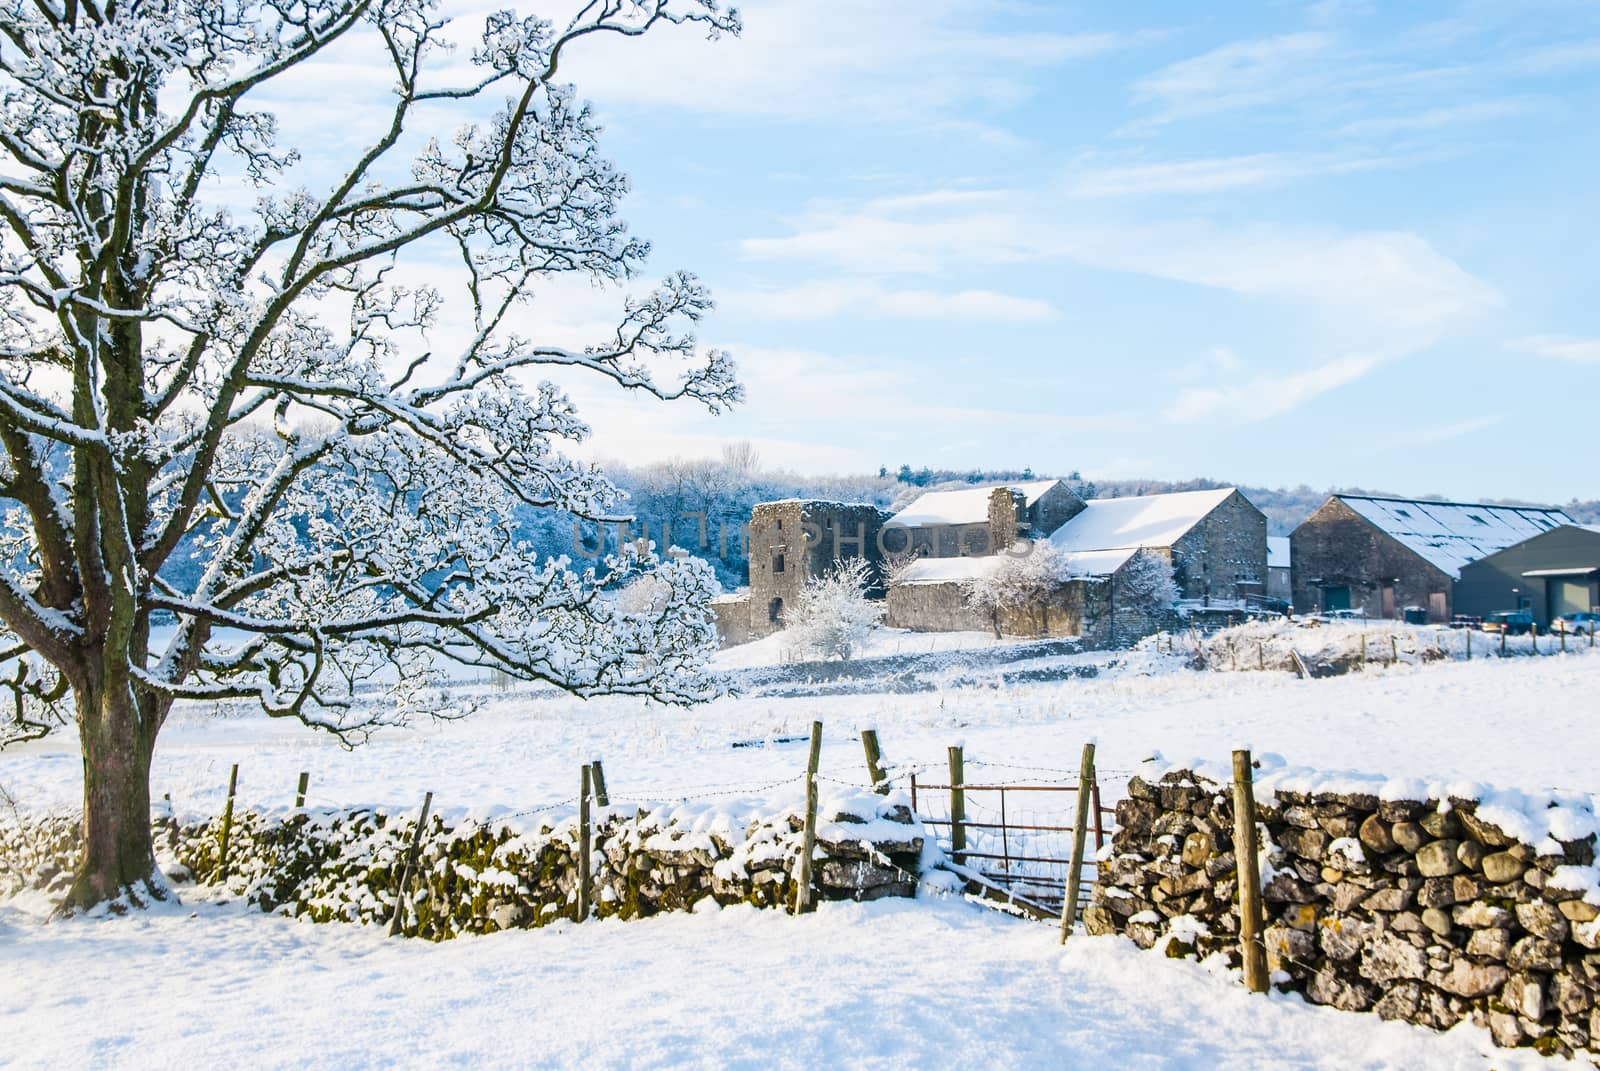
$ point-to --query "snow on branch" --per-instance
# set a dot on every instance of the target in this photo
(242, 455)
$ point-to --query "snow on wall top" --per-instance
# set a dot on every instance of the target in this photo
(1277, 552)
(1451, 534)
(1144, 521)
(968, 506)
(1539, 818)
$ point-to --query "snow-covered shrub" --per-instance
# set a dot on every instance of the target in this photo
(1146, 582)
(833, 616)
(1027, 575)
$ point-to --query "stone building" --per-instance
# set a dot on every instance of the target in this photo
(1216, 540)
(1556, 572)
(1379, 556)
(793, 541)
(980, 520)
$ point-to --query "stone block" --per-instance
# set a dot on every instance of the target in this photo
(1490, 943)
(1542, 920)
(1438, 859)
(1408, 836)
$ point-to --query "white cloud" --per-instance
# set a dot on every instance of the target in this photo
(825, 300)
(1213, 175)
(1377, 283)
(1561, 348)
(1266, 396)
(1236, 75)
(837, 59)
(1479, 111)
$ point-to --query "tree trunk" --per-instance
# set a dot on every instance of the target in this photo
(117, 858)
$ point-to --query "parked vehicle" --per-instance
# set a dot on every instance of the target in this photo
(1466, 621)
(1583, 623)
(1511, 622)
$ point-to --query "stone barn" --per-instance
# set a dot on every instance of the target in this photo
(793, 541)
(979, 520)
(1550, 574)
(1378, 556)
(1216, 540)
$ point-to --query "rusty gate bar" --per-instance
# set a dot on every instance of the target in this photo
(1099, 826)
(1004, 845)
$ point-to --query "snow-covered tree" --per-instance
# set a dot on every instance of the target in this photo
(262, 390)
(833, 617)
(1146, 582)
(1024, 577)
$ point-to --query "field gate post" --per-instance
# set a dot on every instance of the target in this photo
(958, 805)
(227, 824)
(300, 789)
(1245, 849)
(409, 864)
(808, 843)
(1069, 907)
(597, 784)
(869, 744)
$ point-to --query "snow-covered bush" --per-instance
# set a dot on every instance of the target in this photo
(1026, 576)
(1146, 582)
(833, 616)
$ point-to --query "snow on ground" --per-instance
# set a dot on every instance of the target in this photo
(769, 651)
(932, 984)
(925, 984)
(1522, 723)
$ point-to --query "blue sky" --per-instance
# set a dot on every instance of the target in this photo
(1330, 243)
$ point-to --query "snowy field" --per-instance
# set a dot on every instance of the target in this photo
(938, 983)
(889, 985)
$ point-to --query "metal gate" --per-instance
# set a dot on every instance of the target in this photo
(1014, 841)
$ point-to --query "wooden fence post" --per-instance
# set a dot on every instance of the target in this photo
(958, 805)
(1502, 640)
(584, 846)
(300, 790)
(1563, 641)
(1245, 849)
(597, 783)
(869, 743)
(227, 824)
(408, 866)
(1469, 642)
(1394, 649)
(808, 843)
(1261, 655)
(1069, 907)
(1363, 650)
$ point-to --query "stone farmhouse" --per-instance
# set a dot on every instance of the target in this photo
(1380, 556)
(1214, 540)
(1553, 573)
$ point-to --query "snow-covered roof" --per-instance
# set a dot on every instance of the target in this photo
(1098, 562)
(949, 570)
(960, 570)
(1451, 534)
(1143, 521)
(970, 505)
(1277, 552)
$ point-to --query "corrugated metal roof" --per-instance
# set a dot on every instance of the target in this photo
(1452, 534)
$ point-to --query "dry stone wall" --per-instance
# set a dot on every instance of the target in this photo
(1416, 909)
(480, 877)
